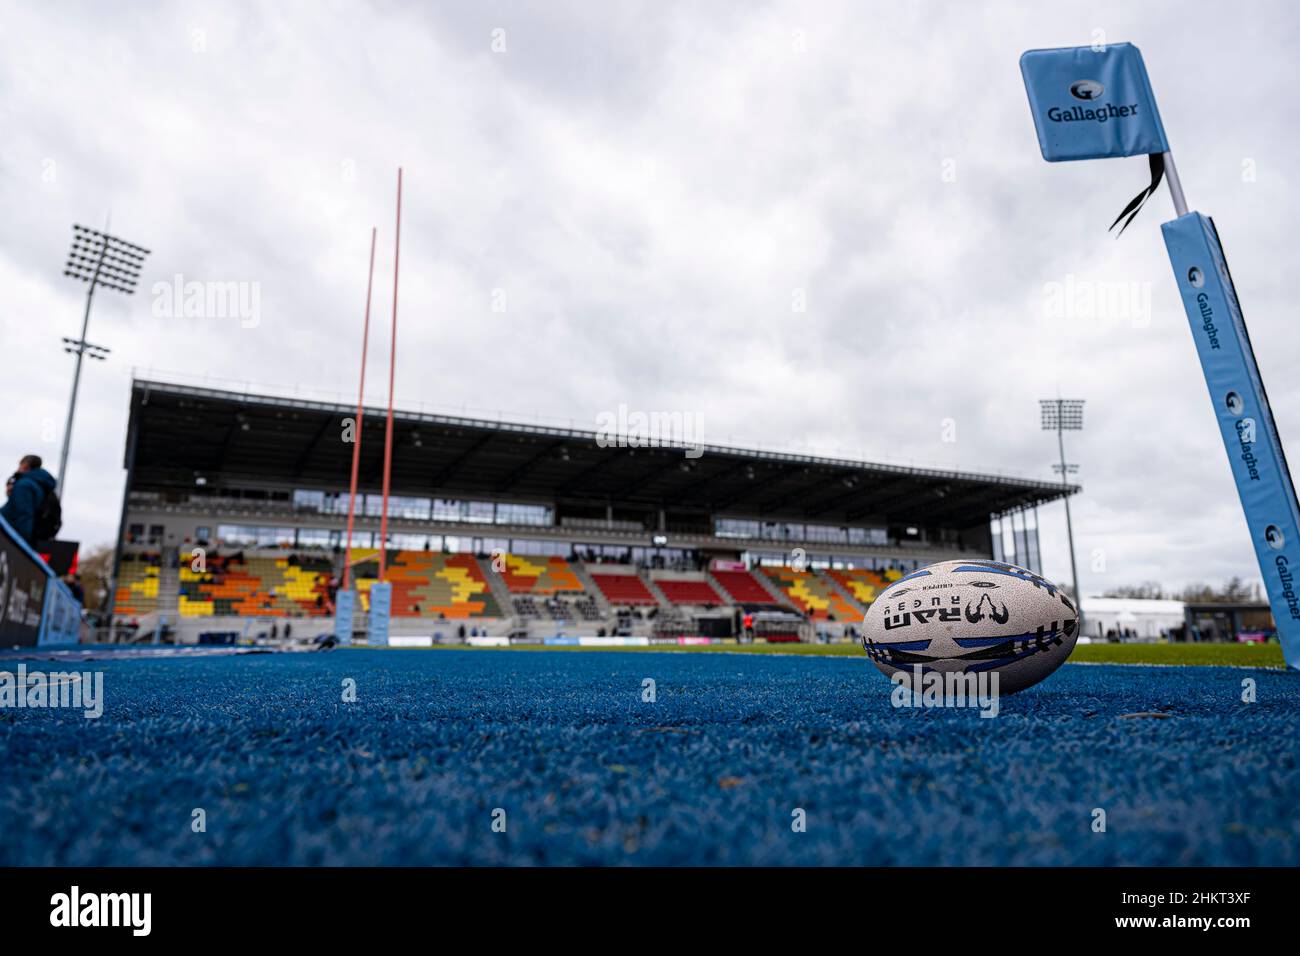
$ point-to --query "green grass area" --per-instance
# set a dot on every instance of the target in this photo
(812, 650)
(1239, 655)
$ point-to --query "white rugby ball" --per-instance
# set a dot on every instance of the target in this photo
(971, 617)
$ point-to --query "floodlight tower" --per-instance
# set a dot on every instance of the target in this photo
(97, 259)
(1061, 415)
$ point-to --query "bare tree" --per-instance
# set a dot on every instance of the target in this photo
(96, 570)
(1147, 589)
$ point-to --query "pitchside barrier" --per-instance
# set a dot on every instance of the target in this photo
(35, 606)
(1097, 102)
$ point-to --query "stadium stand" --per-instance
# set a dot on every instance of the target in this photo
(814, 595)
(685, 591)
(231, 470)
(137, 584)
(256, 585)
(431, 585)
(624, 588)
(742, 587)
(861, 584)
(552, 575)
(587, 608)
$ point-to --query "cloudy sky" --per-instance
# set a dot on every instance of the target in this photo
(814, 226)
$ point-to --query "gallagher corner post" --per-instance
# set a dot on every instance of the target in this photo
(1097, 103)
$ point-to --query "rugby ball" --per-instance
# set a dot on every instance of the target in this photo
(971, 617)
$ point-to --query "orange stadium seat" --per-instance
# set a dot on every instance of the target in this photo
(860, 583)
(430, 584)
(257, 586)
(550, 575)
(137, 585)
(813, 594)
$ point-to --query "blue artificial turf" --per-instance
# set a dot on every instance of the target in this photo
(587, 773)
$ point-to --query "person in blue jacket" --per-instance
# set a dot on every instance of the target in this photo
(32, 484)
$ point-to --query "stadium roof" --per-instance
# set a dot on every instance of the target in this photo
(181, 432)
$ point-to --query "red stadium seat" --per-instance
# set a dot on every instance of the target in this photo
(743, 588)
(623, 589)
(688, 592)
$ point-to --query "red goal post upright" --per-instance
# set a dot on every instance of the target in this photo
(381, 590)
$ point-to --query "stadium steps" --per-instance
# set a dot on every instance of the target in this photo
(497, 585)
(771, 587)
(843, 592)
(169, 586)
(775, 595)
(589, 586)
(814, 594)
(861, 586)
(653, 588)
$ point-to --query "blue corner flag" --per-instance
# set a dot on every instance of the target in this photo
(1092, 104)
(1097, 103)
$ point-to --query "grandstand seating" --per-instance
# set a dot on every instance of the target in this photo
(813, 594)
(551, 575)
(623, 588)
(526, 607)
(860, 583)
(742, 587)
(587, 608)
(432, 585)
(688, 591)
(429, 584)
(137, 585)
(256, 586)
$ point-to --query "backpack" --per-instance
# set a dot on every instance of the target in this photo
(48, 519)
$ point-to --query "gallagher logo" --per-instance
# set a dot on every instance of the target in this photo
(1086, 89)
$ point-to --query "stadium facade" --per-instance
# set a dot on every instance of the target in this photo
(235, 506)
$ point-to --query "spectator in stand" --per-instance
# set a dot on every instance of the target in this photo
(29, 491)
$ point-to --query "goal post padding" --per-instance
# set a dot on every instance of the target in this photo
(1245, 418)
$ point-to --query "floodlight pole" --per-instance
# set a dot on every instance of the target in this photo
(60, 479)
(1069, 525)
(116, 264)
(1053, 412)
